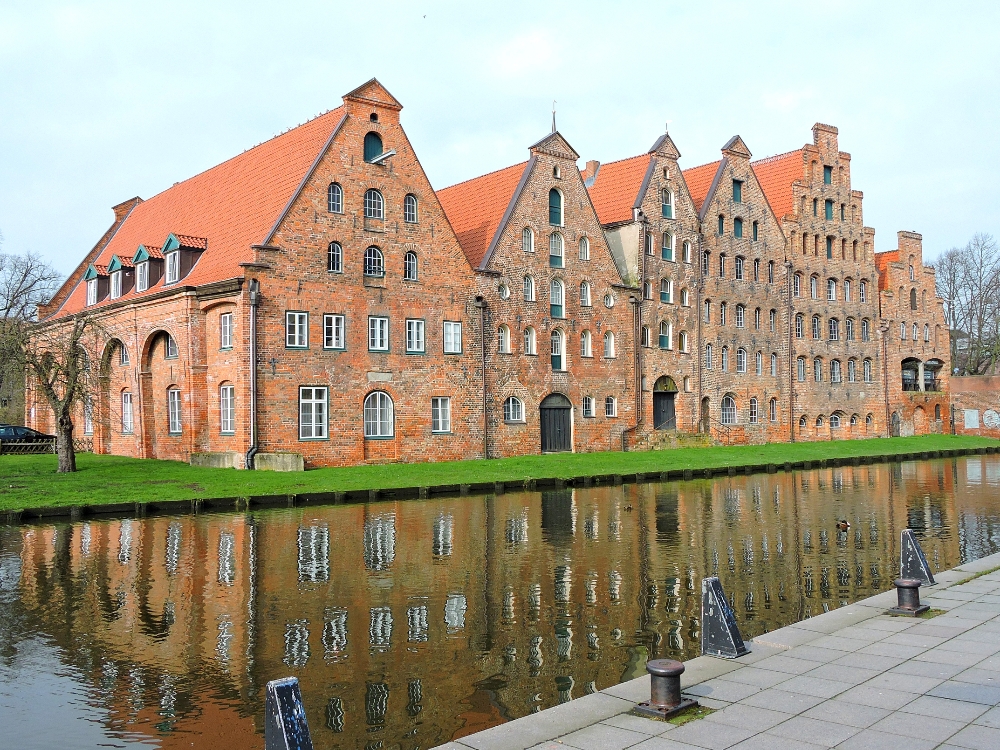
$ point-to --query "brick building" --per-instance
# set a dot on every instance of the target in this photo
(314, 301)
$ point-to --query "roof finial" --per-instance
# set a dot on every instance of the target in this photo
(666, 128)
(553, 115)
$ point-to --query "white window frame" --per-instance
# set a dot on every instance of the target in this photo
(530, 341)
(334, 258)
(410, 208)
(503, 339)
(378, 333)
(226, 330)
(296, 329)
(172, 261)
(91, 292)
(123, 358)
(334, 331)
(584, 248)
(774, 364)
(528, 240)
(170, 350)
(416, 336)
(585, 299)
(609, 345)
(557, 249)
(513, 410)
(128, 415)
(452, 337)
(374, 204)
(441, 414)
(529, 289)
(411, 266)
(142, 276)
(175, 425)
(586, 344)
(610, 407)
(379, 416)
(227, 409)
(313, 407)
(588, 406)
(116, 284)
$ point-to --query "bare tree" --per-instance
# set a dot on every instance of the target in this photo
(968, 279)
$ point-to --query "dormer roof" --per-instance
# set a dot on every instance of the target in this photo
(118, 264)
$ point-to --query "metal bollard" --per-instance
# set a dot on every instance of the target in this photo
(664, 690)
(908, 598)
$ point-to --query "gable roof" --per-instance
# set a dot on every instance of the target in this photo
(776, 175)
(222, 211)
(616, 187)
(699, 181)
(476, 208)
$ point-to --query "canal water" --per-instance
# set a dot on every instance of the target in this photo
(412, 623)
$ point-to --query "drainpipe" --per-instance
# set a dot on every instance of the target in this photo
(792, 360)
(254, 303)
(637, 331)
(481, 304)
(885, 376)
(700, 347)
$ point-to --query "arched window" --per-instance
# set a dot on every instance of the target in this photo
(770, 272)
(756, 269)
(707, 310)
(335, 198)
(650, 244)
(725, 359)
(666, 291)
(584, 248)
(410, 209)
(849, 329)
(800, 366)
(666, 339)
(529, 340)
(831, 289)
(686, 252)
(854, 420)
(529, 289)
(728, 410)
(667, 246)
(852, 371)
(927, 333)
(902, 331)
(585, 293)
(797, 285)
(847, 290)
(773, 319)
(227, 409)
(503, 339)
(528, 240)
(556, 250)
(373, 204)
(915, 331)
(753, 410)
(586, 349)
(647, 290)
(866, 333)
(802, 423)
(818, 370)
(373, 146)
(705, 259)
(799, 325)
(708, 356)
(609, 345)
(722, 265)
(740, 263)
(772, 410)
(759, 363)
(557, 350)
(685, 298)
(774, 364)
(814, 287)
(513, 410)
(334, 258)
(868, 370)
(816, 328)
(374, 262)
(723, 308)
(937, 412)
(741, 360)
(833, 329)
(819, 421)
(863, 291)
(738, 228)
(835, 374)
(741, 316)
(555, 208)
(870, 421)
(410, 266)
(556, 298)
(610, 407)
(756, 318)
(755, 231)
(683, 339)
(722, 225)
(913, 299)
(378, 415)
(667, 203)
(647, 338)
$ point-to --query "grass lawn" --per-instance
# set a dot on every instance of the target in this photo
(32, 481)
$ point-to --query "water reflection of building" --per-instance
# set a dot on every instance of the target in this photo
(416, 622)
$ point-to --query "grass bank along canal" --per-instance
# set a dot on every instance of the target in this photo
(412, 623)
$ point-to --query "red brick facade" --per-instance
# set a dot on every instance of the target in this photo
(536, 307)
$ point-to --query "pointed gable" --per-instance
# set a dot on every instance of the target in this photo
(665, 147)
(615, 190)
(477, 208)
(700, 180)
(555, 145)
(776, 175)
(735, 147)
(373, 92)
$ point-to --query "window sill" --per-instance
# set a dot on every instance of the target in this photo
(227, 434)
(514, 421)
(300, 348)
(442, 432)
(334, 348)
(225, 348)
(378, 351)
(312, 439)
(174, 434)
(453, 354)
(416, 353)
(380, 437)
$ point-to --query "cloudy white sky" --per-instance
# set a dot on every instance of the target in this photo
(100, 101)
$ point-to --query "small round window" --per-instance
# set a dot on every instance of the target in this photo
(504, 291)
(609, 300)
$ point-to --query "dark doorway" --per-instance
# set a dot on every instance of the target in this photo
(555, 411)
(664, 397)
(557, 516)
(895, 424)
(706, 424)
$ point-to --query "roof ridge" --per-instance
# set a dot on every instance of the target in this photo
(775, 157)
(485, 174)
(627, 158)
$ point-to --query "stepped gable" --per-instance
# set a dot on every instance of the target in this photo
(222, 211)
(476, 208)
(699, 181)
(616, 186)
(776, 175)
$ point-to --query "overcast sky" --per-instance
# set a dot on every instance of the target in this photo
(100, 101)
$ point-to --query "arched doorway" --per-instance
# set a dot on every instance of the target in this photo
(664, 396)
(706, 421)
(895, 424)
(920, 426)
(556, 413)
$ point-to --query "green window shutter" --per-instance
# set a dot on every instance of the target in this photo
(737, 191)
(555, 207)
(722, 224)
(738, 228)
(755, 231)
(829, 247)
(829, 210)
(373, 146)
(827, 175)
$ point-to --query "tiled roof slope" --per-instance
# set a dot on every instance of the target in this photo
(776, 175)
(882, 261)
(699, 180)
(476, 207)
(616, 188)
(233, 205)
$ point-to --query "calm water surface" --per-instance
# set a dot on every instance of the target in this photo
(412, 623)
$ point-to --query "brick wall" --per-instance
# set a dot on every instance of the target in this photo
(976, 399)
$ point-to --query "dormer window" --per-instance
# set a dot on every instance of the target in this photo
(173, 267)
(116, 284)
(142, 276)
(91, 292)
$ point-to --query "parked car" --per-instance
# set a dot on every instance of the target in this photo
(23, 434)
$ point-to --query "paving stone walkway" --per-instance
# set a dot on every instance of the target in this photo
(852, 678)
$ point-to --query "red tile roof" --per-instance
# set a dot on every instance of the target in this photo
(616, 188)
(152, 252)
(225, 209)
(476, 207)
(699, 180)
(776, 175)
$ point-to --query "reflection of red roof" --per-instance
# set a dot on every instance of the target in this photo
(699, 180)
(476, 207)
(230, 207)
(882, 261)
(776, 175)
(616, 188)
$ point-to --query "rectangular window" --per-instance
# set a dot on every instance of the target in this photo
(829, 247)
(174, 411)
(378, 334)
(440, 415)
(91, 292)
(88, 417)
(333, 332)
(827, 175)
(227, 410)
(173, 267)
(829, 210)
(116, 285)
(610, 407)
(312, 413)
(142, 276)
(667, 247)
(127, 418)
(226, 331)
(737, 191)
(170, 348)
(667, 291)
(452, 337)
(415, 336)
(296, 330)
(588, 406)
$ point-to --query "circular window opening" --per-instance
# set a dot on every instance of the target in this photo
(504, 291)
(609, 300)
